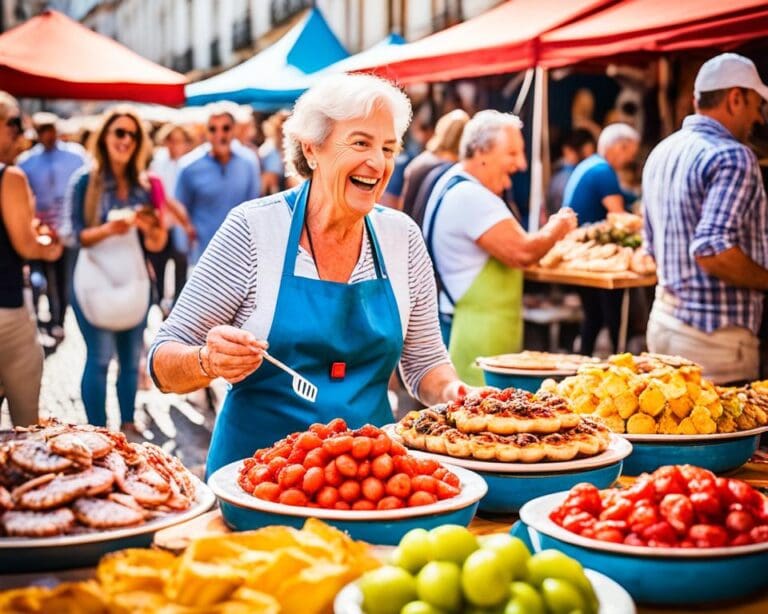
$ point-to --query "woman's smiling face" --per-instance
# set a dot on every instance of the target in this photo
(356, 160)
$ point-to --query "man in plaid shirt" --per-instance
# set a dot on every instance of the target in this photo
(706, 223)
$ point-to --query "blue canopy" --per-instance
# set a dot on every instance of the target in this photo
(275, 77)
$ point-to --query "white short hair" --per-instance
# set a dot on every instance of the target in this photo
(338, 98)
(219, 109)
(614, 134)
(482, 131)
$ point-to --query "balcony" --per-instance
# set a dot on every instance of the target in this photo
(215, 53)
(241, 33)
(280, 10)
(183, 62)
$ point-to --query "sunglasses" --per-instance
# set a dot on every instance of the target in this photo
(121, 133)
(225, 128)
(15, 123)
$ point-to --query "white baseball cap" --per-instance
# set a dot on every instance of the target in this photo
(729, 70)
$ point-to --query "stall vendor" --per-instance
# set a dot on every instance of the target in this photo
(479, 248)
(337, 288)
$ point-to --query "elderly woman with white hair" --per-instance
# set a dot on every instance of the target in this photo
(479, 248)
(339, 289)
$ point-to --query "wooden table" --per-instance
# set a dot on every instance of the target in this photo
(605, 281)
(177, 538)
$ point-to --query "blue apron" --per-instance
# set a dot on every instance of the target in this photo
(316, 324)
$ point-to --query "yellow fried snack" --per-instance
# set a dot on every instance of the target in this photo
(626, 404)
(271, 570)
(702, 420)
(681, 406)
(652, 400)
(668, 422)
(665, 388)
(135, 569)
(641, 424)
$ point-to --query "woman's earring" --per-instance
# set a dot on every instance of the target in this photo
(312, 164)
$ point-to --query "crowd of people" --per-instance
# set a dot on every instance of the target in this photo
(282, 241)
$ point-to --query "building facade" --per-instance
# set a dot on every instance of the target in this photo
(205, 36)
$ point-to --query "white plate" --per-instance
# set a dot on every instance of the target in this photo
(613, 598)
(618, 449)
(224, 485)
(203, 502)
(535, 514)
(694, 438)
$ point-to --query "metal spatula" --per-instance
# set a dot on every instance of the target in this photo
(301, 385)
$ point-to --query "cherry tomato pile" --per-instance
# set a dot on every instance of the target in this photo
(333, 467)
(677, 506)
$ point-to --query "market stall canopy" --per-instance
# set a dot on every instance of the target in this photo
(380, 52)
(278, 75)
(636, 26)
(52, 56)
(504, 39)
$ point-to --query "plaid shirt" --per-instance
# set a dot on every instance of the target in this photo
(703, 194)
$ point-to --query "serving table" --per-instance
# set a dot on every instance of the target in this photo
(176, 538)
(605, 281)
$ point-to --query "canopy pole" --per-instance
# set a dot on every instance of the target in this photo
(538, 145)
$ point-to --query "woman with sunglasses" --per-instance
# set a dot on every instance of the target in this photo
(340, 289)
(114, 220)
(21, 357)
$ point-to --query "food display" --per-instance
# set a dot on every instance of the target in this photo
(537, 361)
(271, 570)
(611, 246)
(674, 507)
(60, 479)
(331, 466)
(653, 393)
(448, 569)
(509, 426)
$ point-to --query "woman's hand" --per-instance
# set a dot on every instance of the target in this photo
(231, 353)
(146, 220)
(458, 389)
(117, 227)
(563, 221)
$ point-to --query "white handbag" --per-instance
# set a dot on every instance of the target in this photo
(111, 282)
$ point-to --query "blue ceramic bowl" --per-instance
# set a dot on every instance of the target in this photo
(519, 378)
(510, 485)
(507, 493)
(242, 511)
(719, 452)
(28, 554)
(661, 576)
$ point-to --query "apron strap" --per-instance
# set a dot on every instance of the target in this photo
(297, 202)
(429, 224)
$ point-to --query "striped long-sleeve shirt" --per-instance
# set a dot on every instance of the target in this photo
(703, 194)
(238, 275)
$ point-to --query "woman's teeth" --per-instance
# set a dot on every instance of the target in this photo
(366, 183)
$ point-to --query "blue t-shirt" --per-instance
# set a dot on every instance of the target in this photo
(591, 181)
(397, 180)
(49, 173)
(209, 190)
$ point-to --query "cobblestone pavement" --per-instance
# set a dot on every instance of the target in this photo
(180, 424)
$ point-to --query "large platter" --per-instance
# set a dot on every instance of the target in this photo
(20, 554)
(618, 449)
(224, 485)
(694, 438)
(613, 598)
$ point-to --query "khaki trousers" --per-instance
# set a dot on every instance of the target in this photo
(21, 364)
(729, 354)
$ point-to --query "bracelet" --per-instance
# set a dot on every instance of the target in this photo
(200, 362)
